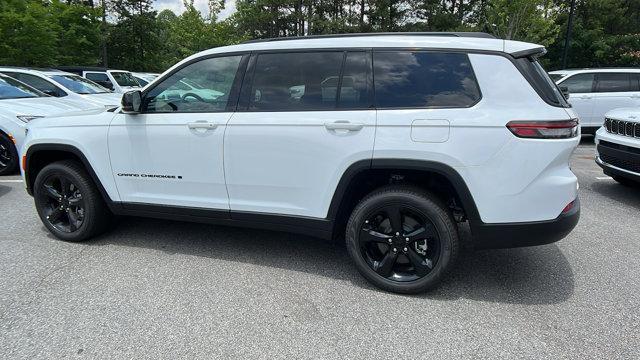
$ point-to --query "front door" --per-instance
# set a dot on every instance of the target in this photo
(172, 152)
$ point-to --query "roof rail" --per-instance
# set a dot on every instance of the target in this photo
(329, 36)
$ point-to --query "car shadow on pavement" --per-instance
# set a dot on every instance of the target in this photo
(4, 190)
(628, 195)
(540, 275)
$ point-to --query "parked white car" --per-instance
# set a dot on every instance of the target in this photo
(144, 78)
(618, 145)
(594, 92)
(65, 85)
(463, 128)
(119, 81)
(19, 104)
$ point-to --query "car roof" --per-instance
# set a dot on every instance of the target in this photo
(466, 41)
(594, 70)
(35, 71)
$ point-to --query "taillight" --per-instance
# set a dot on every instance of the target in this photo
(532, 129)
(569, 207)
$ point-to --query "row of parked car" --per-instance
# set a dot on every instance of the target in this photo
(28, 93)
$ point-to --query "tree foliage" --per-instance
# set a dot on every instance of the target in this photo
(137, 37)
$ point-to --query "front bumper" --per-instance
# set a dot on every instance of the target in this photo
(619, 160)
(511, 235)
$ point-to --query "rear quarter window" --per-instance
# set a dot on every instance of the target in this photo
(423, 79)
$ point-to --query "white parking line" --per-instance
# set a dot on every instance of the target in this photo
(604, 178)
(10, 181)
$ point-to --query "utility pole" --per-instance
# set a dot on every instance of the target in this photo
(104, 35)
(567, 38)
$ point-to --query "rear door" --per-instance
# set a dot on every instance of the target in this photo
(582, 97)
(615, 90)
(304, 119)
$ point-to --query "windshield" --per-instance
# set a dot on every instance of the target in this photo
(14, 89)
(124, 78)
(79, 85)
(556, 77)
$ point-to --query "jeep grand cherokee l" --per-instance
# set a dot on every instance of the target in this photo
(387, 140)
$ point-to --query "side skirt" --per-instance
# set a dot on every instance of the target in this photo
(315, 227)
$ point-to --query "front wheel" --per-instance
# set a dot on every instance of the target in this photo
(8, 156)
(402, 239)
(69, 203)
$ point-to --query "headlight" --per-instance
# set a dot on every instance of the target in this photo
(27, 118)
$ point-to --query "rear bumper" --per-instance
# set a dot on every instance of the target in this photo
(511, 235)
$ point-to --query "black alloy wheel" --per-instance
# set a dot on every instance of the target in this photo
(399, 243)
(8, 156)
(402, 239)
(64, 206)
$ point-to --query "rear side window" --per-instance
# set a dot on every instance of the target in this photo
(413, 79)
(539, 79)
(579, 83)
(296, 81)
(613, 82)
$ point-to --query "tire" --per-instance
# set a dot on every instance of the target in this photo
(8, 156)
(626, 182)
(63, 191)
(437, 244)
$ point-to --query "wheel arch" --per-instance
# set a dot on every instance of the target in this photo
(366, 175)
(40, 155)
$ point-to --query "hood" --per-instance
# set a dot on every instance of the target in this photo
(110, 99)
(626, 114)
(41, 106)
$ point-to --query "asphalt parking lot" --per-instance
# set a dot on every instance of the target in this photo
(160, 289)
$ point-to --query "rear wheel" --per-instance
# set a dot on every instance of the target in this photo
(8, 156)
(402, 239)
(69, 203)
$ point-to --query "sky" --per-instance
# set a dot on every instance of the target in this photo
(177, 7)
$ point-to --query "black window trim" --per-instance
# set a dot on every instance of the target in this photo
(234, 93)
(249, 70)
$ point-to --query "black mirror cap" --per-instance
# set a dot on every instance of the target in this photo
(132, 102)
(565, 91)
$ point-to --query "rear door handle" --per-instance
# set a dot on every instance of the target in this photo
(343, 125)
(635, 96)
(202, 125)
(585, 97)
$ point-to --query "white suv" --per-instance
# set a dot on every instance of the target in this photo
(594, 92)
(417, 134)
(119, 81)
(618, 145)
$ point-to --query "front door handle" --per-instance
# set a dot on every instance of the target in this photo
(585, 97)
(635, 96)
(202, 125)
(343, 125)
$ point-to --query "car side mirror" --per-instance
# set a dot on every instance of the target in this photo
(132, 102)
(565, 91)
(51, 92)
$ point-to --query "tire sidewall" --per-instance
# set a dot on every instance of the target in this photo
(13, 153)
(423, 205)
(79, 182)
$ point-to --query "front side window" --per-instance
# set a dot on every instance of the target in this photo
(13, 89)
(214, 78)
(124, 78)
(613, 82)
(579, 83)
(296, 81)
(79, 85)
(414, 79)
